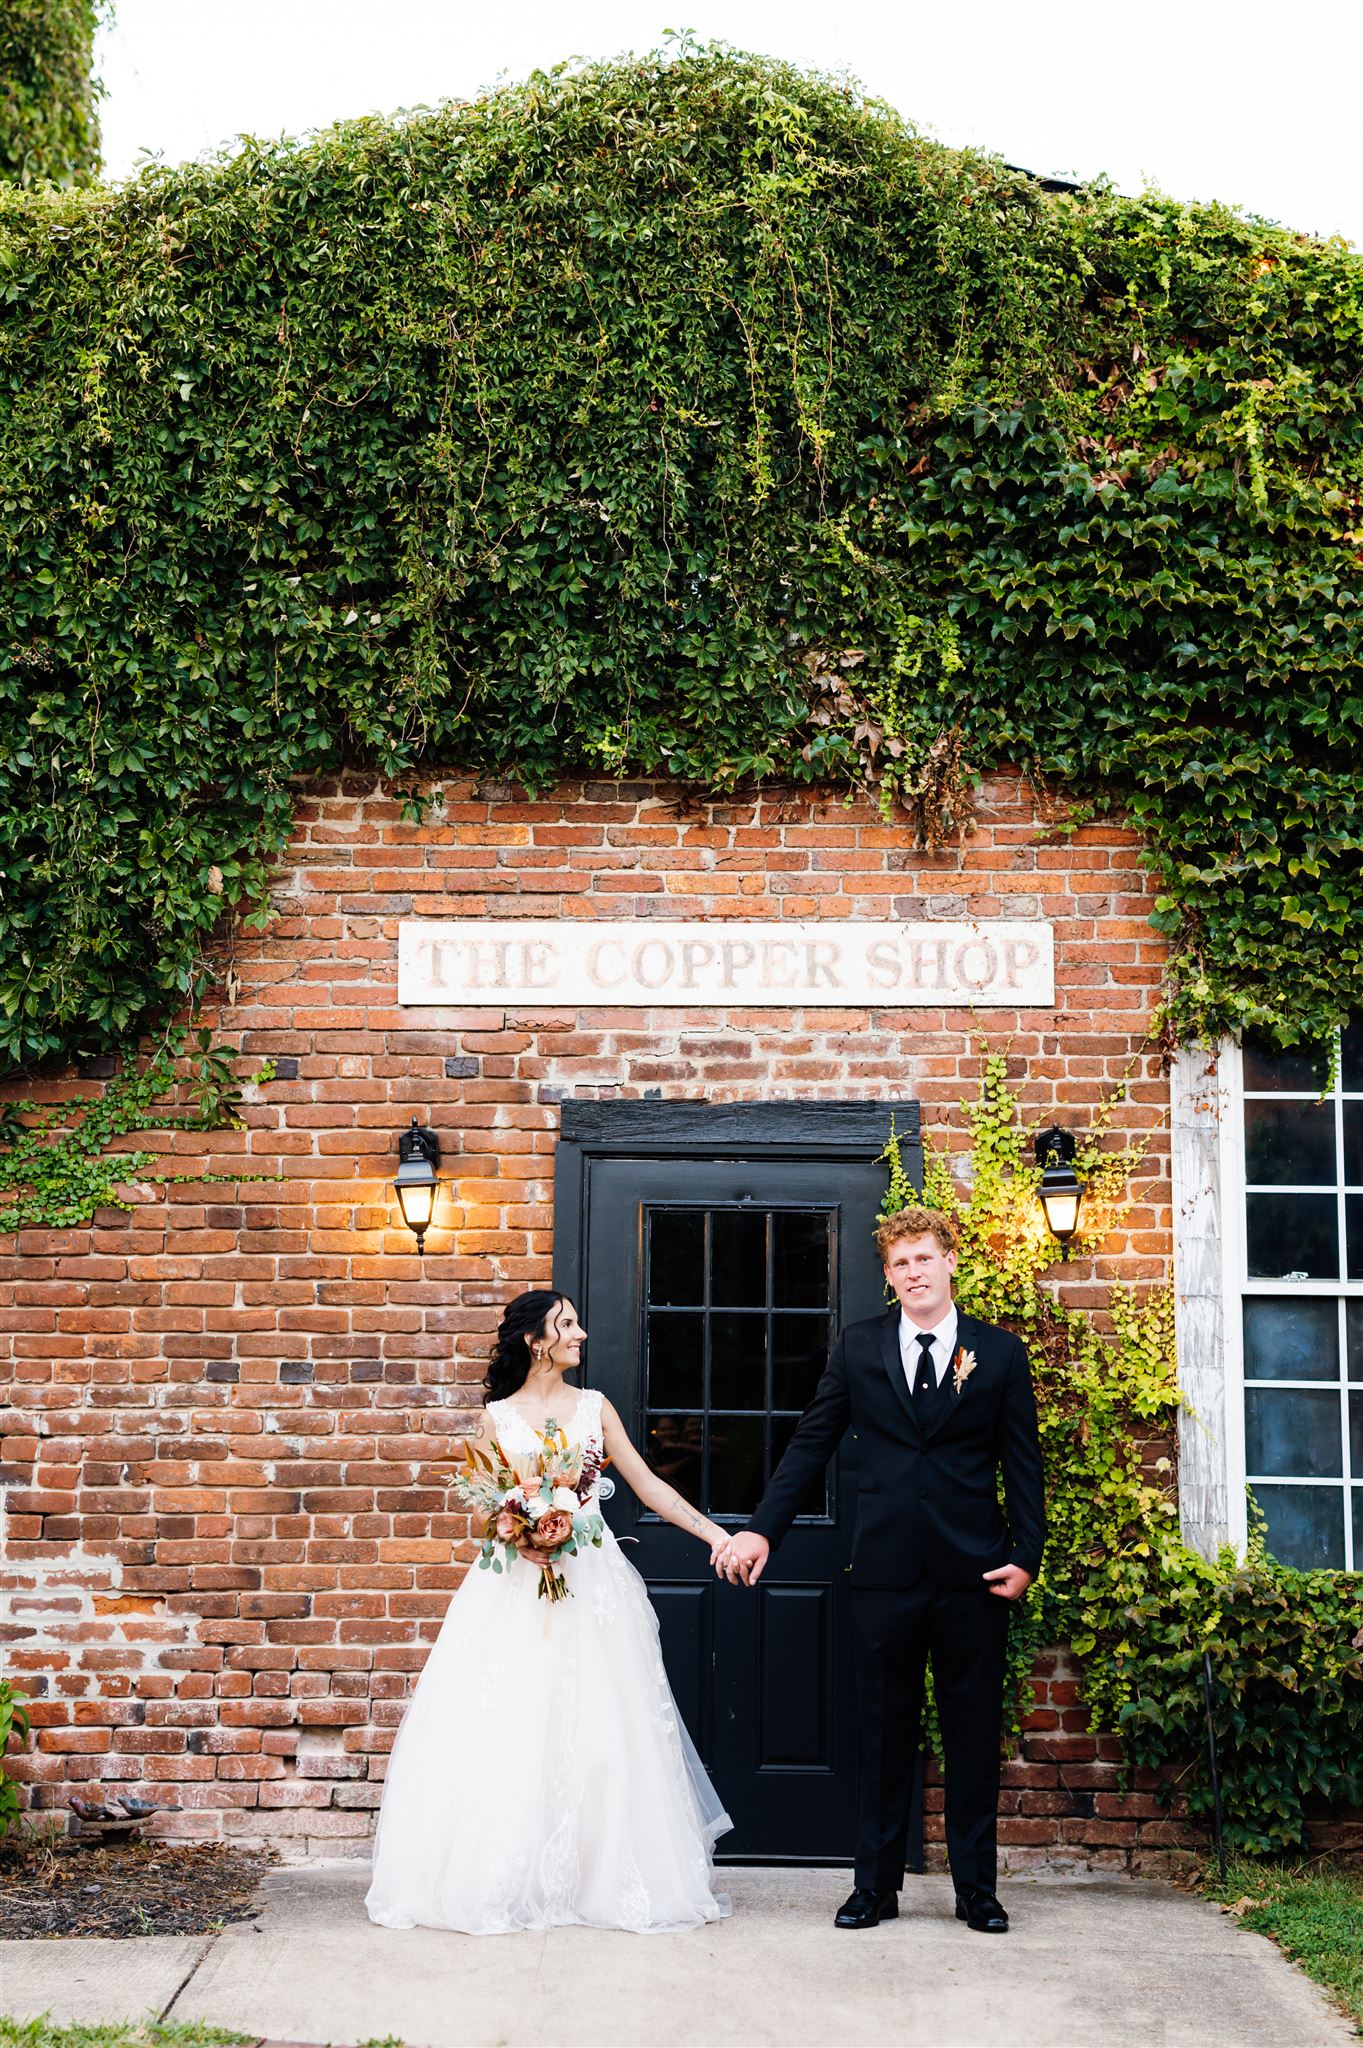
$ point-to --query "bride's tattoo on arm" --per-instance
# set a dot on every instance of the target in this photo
(685, 1516)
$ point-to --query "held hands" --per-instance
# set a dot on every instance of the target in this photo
(1009, 1581)
(741, 1559)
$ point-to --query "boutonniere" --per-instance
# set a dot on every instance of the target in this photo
(965, 1365)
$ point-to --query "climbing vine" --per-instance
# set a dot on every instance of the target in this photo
(689, 416)
(48, 126)
(1119, 1585)
(61, 1161)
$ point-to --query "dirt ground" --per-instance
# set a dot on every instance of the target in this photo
(64, 1887)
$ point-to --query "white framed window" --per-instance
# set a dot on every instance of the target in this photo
(1292, 1240)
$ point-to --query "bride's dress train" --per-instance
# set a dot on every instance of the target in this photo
(542, 1776)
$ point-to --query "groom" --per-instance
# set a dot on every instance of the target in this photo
(942, 1407)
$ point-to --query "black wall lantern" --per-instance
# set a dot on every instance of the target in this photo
(1061, 1189)
(418, 1164)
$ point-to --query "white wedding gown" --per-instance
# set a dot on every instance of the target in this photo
(542, 1776)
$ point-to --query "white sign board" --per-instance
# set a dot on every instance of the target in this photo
(541, 963)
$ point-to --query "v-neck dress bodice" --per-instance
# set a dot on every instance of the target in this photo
(542, 1776)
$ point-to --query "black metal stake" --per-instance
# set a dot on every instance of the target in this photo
(1211, 1759)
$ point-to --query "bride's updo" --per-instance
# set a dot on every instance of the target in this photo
(523, 1322)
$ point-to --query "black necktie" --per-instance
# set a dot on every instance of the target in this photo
(925, 1379)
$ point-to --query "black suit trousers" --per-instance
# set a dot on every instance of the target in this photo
(964, 1633)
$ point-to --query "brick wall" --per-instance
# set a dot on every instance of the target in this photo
(228, 1545)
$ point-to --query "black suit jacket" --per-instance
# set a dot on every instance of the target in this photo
(928, 1498)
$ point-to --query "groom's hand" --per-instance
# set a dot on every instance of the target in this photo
(746, 1558)
(1010, 1581)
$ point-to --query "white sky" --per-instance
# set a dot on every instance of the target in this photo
(1255, 102)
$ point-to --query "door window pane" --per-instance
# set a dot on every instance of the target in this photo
(676, 1358)
(783, 1428)
(738, 1361)
(1290, 1143)
(1291, 1340)
(1292, 1234)
(1305, 1068)
(1294, 1432)
(1358, 1524)
(738, 1258)
(736, 1472)
(1305, 1525)
(675, 1443)
(799, 1353)
(1356, 1444)
(799, 1260)
(676, 1264)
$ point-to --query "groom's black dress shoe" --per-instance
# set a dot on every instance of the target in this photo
(981, 1910)
(867, 1908)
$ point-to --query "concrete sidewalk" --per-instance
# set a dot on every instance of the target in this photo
(1091, 1963)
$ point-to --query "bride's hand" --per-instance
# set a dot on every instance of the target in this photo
(719, 1553)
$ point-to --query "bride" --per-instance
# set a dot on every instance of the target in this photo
(542, 1776)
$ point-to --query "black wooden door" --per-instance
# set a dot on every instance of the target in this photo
(712, 1289)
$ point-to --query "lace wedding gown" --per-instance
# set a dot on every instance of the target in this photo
(542, 1776)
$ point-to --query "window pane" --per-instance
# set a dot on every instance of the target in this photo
(799, 1261)
(1353, 1331)
(738, 1258)
(738, 1361)
(676, 1354)
(1353, 1230)
(735, 1464)
(1291, 1340)
(783, 1428)
(674, 1452)
(1351, 1056)
(1353, 1143)
(1292, 1234)
(676, 1263)
(1358, 1528)
(1303, 1068)
(1305, 1525)
(1356, 1444)
(1289, 1142)
(799, 1353)
(1292, 1431)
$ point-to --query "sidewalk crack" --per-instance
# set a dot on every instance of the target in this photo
(189, 1976)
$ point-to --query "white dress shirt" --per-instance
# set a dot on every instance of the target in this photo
(943, 1336)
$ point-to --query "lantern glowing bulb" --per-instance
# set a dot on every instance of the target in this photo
(416, 1182)
(1061, 1191)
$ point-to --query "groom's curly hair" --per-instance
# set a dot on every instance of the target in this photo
(916, 1223)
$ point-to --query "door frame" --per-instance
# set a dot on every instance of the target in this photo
(642, 1128)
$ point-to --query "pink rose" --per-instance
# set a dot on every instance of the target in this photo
(508, 1526)
(553, 1530)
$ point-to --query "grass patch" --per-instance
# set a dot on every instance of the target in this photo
(1313, 1911)
(45, 2033)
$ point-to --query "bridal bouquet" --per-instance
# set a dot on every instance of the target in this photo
(534, 1497)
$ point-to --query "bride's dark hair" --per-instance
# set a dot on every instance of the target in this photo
(523, 1320)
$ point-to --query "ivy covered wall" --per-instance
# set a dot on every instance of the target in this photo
(690, 415)
(49, 131)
